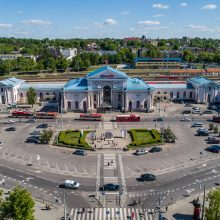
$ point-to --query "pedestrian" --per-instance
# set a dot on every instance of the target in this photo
(108, 163)
(166, 208)
(83, 210)
(95, 146)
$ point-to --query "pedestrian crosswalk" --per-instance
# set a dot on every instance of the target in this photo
(112, 214)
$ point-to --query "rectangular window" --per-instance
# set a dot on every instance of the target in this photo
(190, 95)
(76, 105)
(2, 89)
(119, 97)
(69, 105)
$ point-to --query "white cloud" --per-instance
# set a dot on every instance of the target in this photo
(125, 13)
(183, 4)
(34, 22)
(160, 6)
(196, 27)
(5, 26)
(158, 15)
(209, 7)
(22, 33)
(149, 22)
(131, 29)
(19, 12)
(109, 21)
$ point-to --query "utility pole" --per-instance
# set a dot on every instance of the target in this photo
(203, 205)
(61, 110)
(64, 199)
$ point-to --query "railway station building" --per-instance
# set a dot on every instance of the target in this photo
(108, 88)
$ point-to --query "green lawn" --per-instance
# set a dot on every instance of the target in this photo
(72, 138)
(144, 138)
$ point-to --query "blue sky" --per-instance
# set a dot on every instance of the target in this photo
(109, 18)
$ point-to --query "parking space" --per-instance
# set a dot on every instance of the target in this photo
(53, 159)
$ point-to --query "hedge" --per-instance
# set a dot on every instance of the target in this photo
(72, 138)
(144, 137)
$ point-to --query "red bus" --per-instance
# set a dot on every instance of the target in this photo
(90, 117)
(47, 115)
(25, 114)
(128, 118)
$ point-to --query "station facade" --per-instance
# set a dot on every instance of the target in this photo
(108, 88)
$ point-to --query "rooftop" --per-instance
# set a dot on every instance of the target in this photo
(137, 84)
(42, 86)
(11, 82)
(172, 86)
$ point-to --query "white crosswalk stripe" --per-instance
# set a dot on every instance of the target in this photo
(111, 213)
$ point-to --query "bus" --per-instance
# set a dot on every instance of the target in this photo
(47, 115)
(90, 117)
(128, 118)
(24, 114)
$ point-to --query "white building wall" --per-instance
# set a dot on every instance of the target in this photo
(72, 97)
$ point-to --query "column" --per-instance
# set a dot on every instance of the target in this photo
(98, 101)
(91, 100)
(126, 101)
(122, 98)
(88, 101)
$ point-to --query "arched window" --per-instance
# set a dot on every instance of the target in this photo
(54, 96)
(21, 95)
(145, 104)
(190, 95)
(158, 92)
(178, 94)
(138, 104)
(165, 92)
(130, 105)
(41, 95)
(171, 95)
(76, 105)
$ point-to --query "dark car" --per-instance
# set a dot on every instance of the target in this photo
(155, 149)
(11, 129)
(158, 119)
(33, 140)
(109, 187)
(35, 136)
(202, 133)
(79, 152)
(213, 149)
(188, 105)
(208, 112)
(42, 126)
(214, 141)
(186, 112)
(147, 177)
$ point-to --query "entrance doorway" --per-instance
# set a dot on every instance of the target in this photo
(107, 94)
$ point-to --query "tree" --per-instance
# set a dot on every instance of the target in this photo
(213, 211)
(216, 129)
(168, 135)
(31, 96)
(18, 206)
(46, 136)
(211, 126)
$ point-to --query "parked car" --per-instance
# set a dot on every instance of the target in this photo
(35, 136)
(203, 133)
(10, 129)
(109, 187)
(36, 133)
(10, 121)
(32, 140)
(140, 152)
(213, 148)
(42, 126)
(159, 119)
(214, 141)
(0, 143)
(79, 152)
(208, 112)
(197, 124)
(202, 129)
(69, 184)
(185, 119)
(195, 108)
(186, 112)
(147, 177)
(197, 112)
(155, 149)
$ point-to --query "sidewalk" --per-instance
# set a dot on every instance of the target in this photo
(181, 210)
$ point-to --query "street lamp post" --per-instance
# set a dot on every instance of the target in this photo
(64, 206)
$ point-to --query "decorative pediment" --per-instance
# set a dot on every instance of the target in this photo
(106, 73)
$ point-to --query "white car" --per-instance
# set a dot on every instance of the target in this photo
(70, 184)
(195, 108)
(197, 124)
(197, 112)
(202, 130)
(10, 121)
(185, 119)
(140, 152)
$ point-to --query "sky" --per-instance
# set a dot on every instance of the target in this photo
(109, 18)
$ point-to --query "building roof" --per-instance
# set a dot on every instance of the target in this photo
(172, 86)
(42, 86)
(104, 68)
(137, 84)
(77, 84)
(11, 82)
(200, 80)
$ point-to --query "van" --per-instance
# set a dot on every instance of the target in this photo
(197, 124)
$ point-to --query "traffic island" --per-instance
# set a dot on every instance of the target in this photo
(73, 139)
(144, 138)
